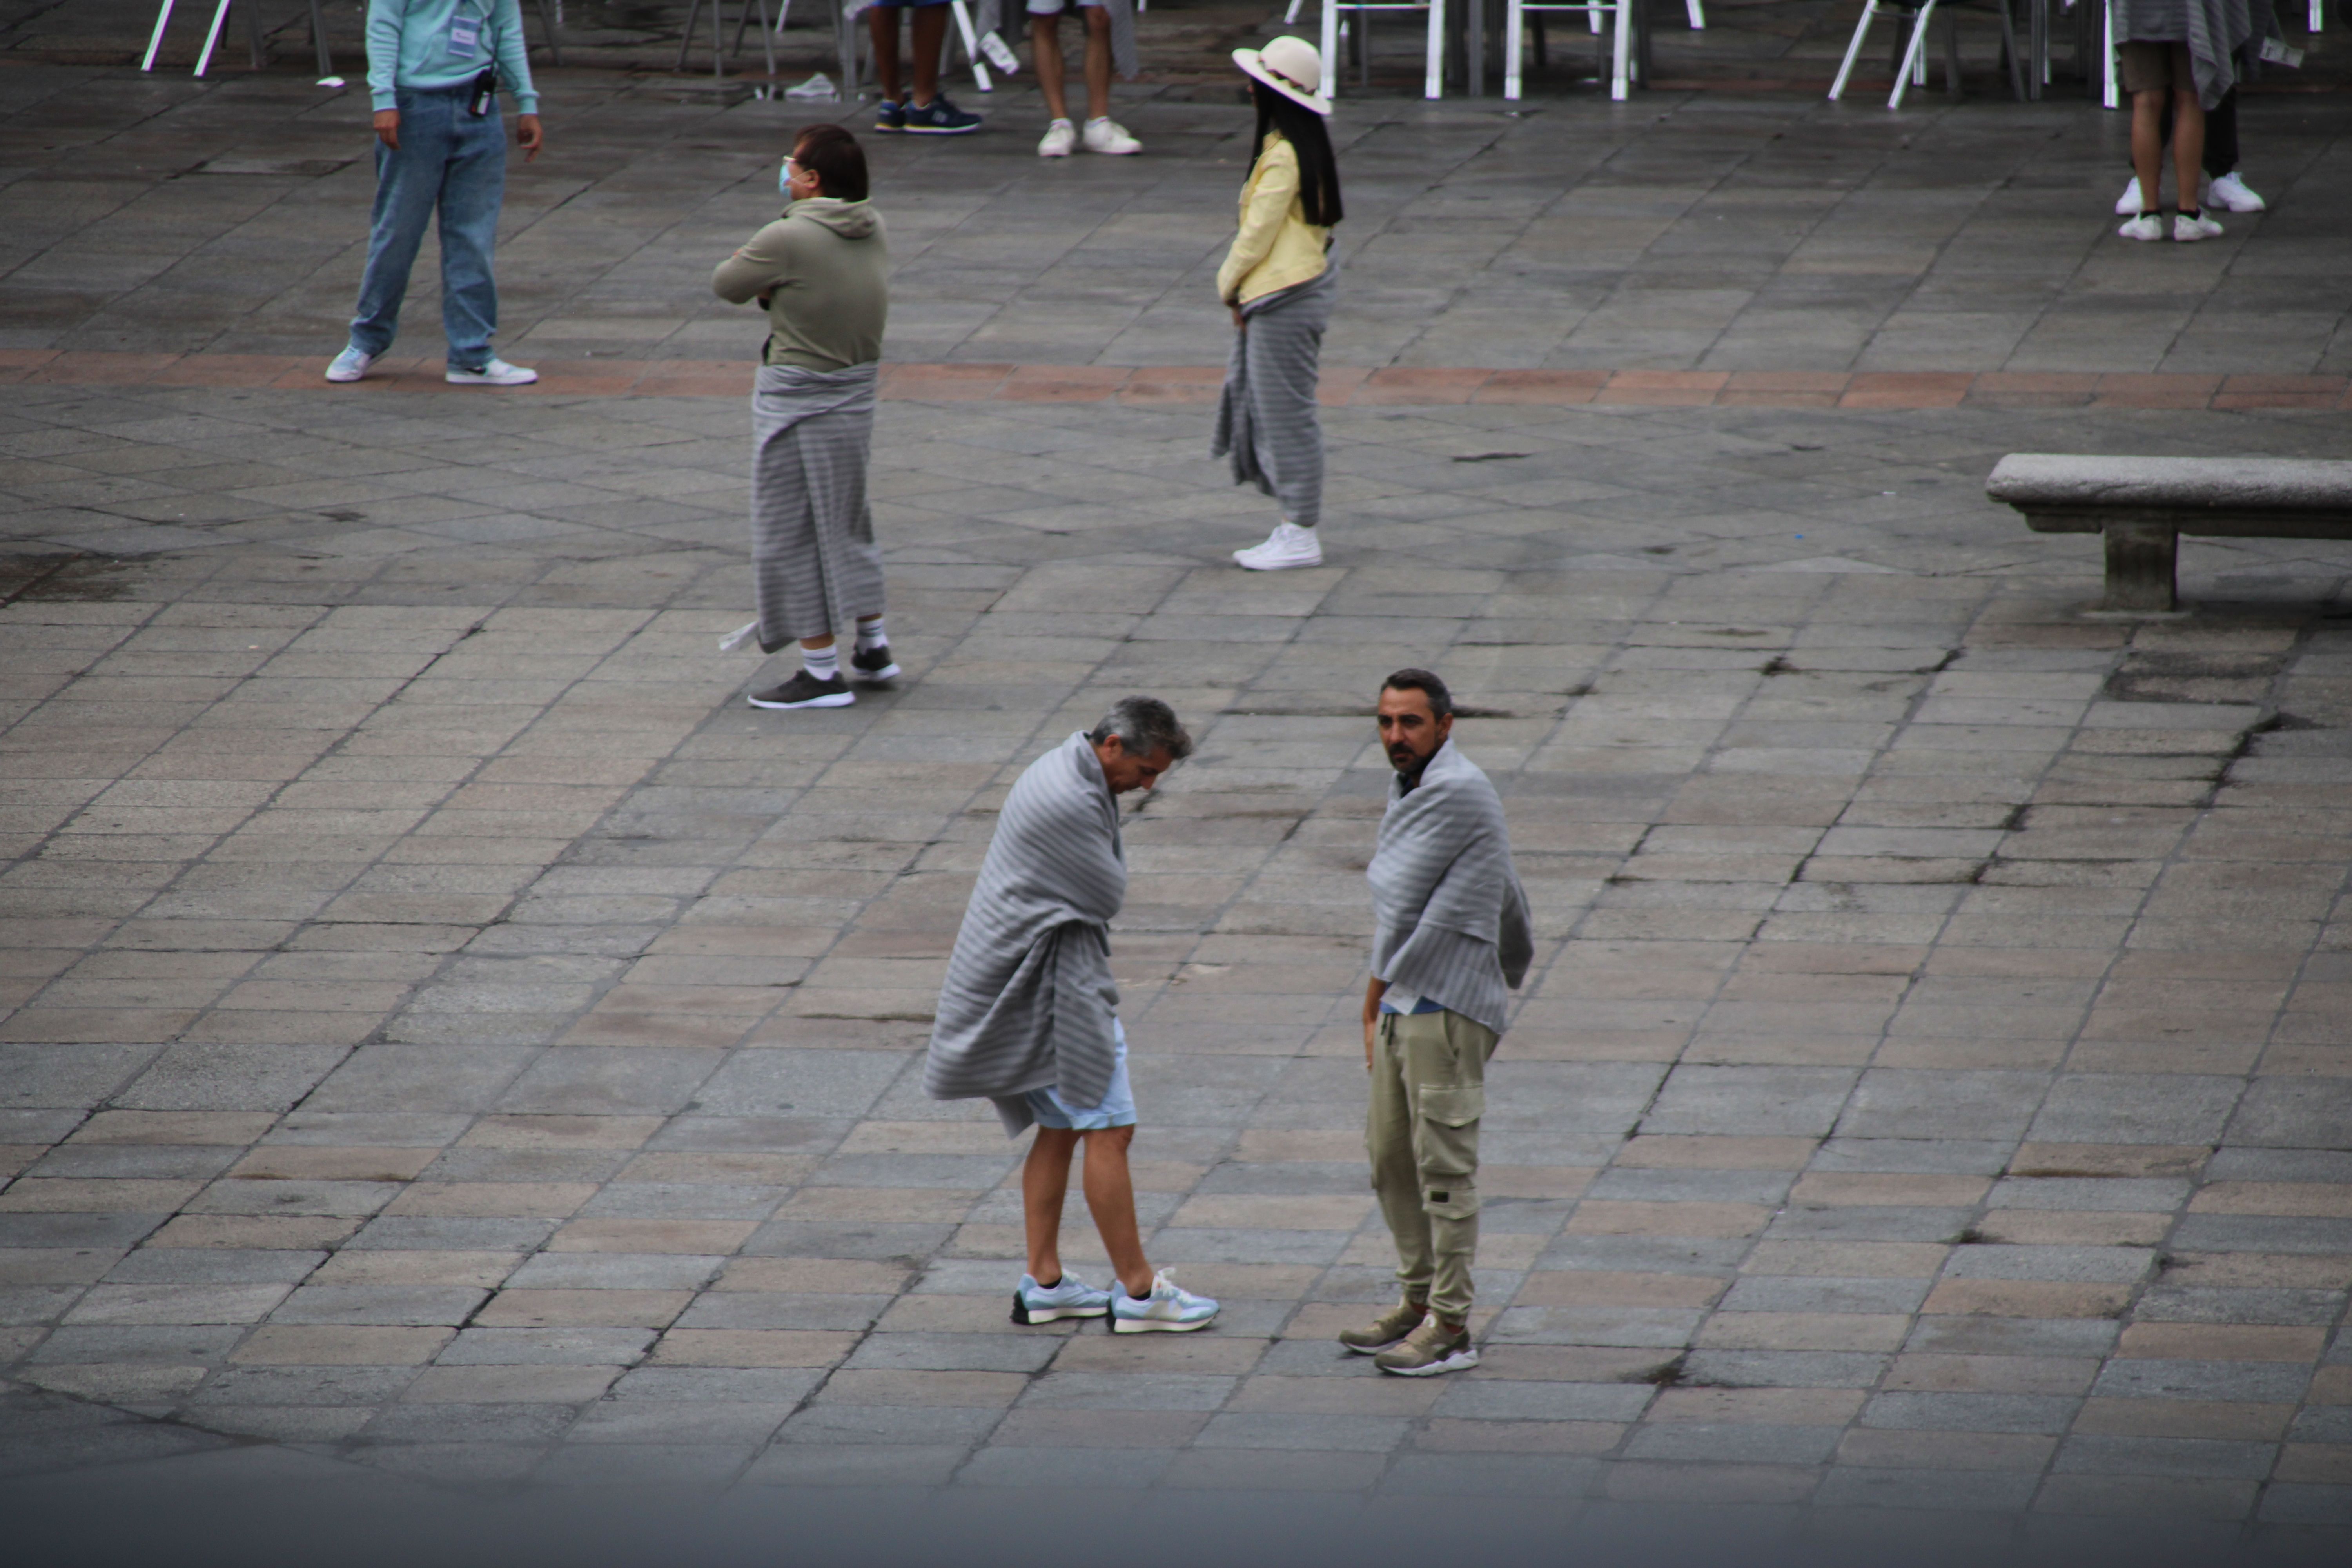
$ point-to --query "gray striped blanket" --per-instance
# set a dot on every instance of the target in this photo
(1451, 920)
(1267, 415)
(815, 565)
(1029, 1002)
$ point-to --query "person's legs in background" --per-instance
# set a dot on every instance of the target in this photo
(2188, 150)
(2225, 188)
(925, 112)
(407, 187)
(2146, 72)
(930, 32)
(473, 188)
(1102, 133)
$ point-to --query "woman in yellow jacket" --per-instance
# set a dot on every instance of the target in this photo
(1277, 281)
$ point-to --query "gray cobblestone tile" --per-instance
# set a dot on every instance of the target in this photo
(2164, 1456)
(770, 1385)
(830, 1424)
(1783, 1369)
(518, 1424)
(1708, 1442)
(526, 1347)
(2270, 1382)
(1971, 1412)
(1076, 1469)
(855, 1465)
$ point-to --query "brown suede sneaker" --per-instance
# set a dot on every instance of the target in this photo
(1389, 1329)
(1429, 1349)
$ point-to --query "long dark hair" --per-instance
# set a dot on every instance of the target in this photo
(1318, 171)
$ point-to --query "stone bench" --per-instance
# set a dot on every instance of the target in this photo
(2143, 506)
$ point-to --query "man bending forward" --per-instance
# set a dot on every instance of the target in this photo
(1450, 930)
(1028, 1017)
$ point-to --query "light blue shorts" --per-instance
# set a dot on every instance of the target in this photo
(1118, 1109)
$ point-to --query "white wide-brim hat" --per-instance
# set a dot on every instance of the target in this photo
(1289, 66)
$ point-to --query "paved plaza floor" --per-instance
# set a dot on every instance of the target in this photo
(453, 1042)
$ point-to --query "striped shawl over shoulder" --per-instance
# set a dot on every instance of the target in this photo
(1451, 920)
(1029, 1002)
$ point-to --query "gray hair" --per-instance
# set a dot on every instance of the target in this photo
(1144, 725)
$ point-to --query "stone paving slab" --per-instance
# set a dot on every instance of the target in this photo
(1151, 386)
(1684, 231)
(450, 1037)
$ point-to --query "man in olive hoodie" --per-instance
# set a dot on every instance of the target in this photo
(822, 272)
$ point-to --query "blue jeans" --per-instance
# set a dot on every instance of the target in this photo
(450, 161)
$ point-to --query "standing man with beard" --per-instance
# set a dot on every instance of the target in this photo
(1451, 932)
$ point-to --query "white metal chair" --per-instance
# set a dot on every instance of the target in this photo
(1912, 70)
(1431, 86)
(317, 36)
(718, 39)
(1623, 63)
(1694, 9)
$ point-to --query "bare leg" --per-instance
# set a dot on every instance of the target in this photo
(1045, 1181)
(2187, 144)
(882, 29)
(930, 35)
(2147, 146)
(1045, 45)
(817, 645)
(1097, 62)
(1110, 1198)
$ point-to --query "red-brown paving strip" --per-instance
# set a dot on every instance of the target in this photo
(1155, 386)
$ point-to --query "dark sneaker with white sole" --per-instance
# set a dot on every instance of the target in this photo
(875, 663)
(938, 117)
(806, 691)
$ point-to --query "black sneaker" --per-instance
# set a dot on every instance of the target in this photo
(889, 116)
(875, 663)
(806, 691)
(938, 117)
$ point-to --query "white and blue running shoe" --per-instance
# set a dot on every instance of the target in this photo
(1073, 1298)
(1168, 1309)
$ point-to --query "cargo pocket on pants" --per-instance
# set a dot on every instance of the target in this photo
(1449, 1147)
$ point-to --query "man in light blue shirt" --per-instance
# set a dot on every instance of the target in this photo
(441, 146)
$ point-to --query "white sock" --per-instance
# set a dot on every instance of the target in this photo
(870, 635)
(1099, 120)
(824, 663)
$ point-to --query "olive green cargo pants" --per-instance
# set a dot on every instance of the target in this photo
(1429, 1090)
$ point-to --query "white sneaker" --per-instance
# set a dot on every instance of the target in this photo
(1168, 1309)
(1109, 136)
(1289, 545)
(1061, 138)
(2148, 226)
(2185, 227)
(2229, 194)
(496, 372)
(2128, 204)
(350, 365)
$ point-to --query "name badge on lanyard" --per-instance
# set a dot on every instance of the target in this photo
(465, 35)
